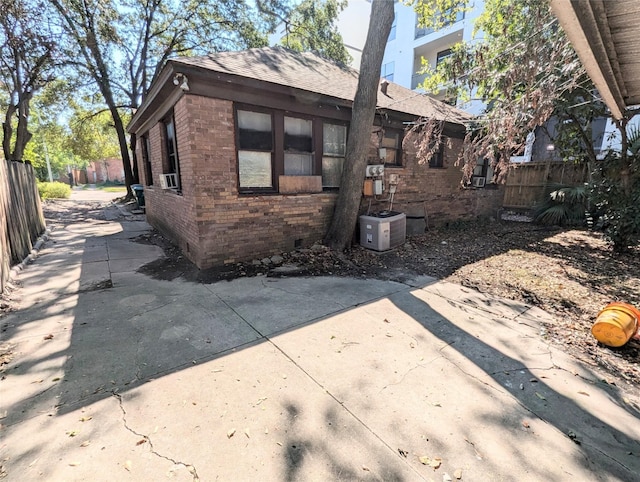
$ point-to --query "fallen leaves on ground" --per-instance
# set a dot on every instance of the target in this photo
(434, 462)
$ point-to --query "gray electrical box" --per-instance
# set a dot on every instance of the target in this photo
(382, 231)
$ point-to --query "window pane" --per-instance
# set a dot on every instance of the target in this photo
(297, 135)
(254, 131)
(331, 171)
(390, 139)
(391, 156)
(297, 164)
(255, 169)
(334, 139)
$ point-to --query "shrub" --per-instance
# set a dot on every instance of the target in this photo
(564, 206)
(616, 194)
(54, 190)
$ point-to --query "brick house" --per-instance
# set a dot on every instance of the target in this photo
(241, 153)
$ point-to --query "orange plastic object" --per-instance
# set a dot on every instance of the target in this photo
(616, 324)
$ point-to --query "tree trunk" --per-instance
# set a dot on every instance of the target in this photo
(7, 131)
(124, 151)
(23, 136)
(345, 215)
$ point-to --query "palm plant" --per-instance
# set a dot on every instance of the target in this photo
(563, 206)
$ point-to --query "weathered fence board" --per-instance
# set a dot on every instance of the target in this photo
(21, 218)
(527, 182)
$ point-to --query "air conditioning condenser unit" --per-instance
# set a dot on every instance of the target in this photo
(382, 231)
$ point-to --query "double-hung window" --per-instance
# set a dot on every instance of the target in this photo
(334, 147)
(298, 147)
(437, 158)
(255, 150)
(172, 164)
(391, 147)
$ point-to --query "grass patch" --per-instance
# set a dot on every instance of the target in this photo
(113, 188)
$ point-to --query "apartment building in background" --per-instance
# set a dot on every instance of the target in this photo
(409, 44)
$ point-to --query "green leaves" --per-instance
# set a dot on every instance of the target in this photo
(311, 27)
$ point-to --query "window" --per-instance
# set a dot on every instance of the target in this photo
(422, 31)
(387, 71)
(334, 146)
(172, 165)
(392, 33)
(148, 174)
(255, 150)
(298, 147)
(271, 144)
(437, 159)
(440, 56)
(392, 144)
(482, 170)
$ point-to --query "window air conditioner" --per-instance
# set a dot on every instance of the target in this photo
(478, 181)
(169, 181)
(382, 231)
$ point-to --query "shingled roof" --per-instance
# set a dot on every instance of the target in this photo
(311, 73)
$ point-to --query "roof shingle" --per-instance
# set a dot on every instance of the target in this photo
(311, 73)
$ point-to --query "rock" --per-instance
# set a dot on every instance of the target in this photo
(277, 260)
(256, 262)
(265, 261)
(288, 269)
(318, 247)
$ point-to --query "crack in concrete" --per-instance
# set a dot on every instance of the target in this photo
(191, 468)
(419, 365)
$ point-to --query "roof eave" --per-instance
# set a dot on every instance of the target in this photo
(579, 23)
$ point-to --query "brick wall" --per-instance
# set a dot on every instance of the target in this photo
(171, 213)
(436, 191)
(105, 170)
(214, 225)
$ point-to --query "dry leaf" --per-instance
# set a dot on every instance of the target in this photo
(434, 462)
(86, 443)
(365, 468)
(525, 424)
(584, 393)
(72, 433)
(142, 441)
(49, 337)
(74, 464)
(85, 419)
(541, 397)
(231, 432)
(246, 432)
(57, 379)
(458, 474)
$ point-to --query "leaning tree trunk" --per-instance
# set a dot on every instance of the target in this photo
(345, 215)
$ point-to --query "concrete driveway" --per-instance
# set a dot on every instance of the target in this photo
(118, 376)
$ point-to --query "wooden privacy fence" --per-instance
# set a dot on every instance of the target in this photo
(21, 219)
(527, 182)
